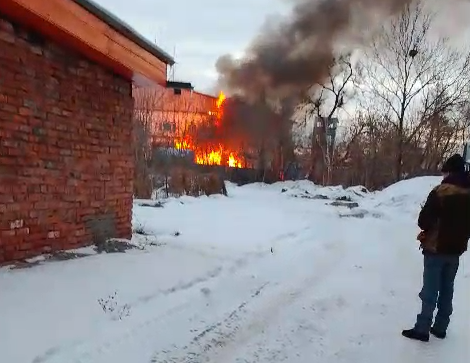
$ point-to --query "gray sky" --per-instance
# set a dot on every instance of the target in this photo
(198, 31)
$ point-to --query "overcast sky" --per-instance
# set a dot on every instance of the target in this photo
(197, 32)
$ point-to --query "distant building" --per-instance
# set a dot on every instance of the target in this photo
(66, 156)
(174, 112)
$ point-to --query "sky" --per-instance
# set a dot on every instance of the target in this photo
(197, 32)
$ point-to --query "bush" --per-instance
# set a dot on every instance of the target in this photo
(189, 182)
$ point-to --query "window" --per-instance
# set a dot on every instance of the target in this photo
(166, 126)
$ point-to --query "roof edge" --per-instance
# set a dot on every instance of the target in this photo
(206, 95)
(125, 29)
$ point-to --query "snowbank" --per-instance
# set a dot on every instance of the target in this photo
(307, 189)
(407, 196)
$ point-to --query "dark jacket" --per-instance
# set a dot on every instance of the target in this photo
(445, 217)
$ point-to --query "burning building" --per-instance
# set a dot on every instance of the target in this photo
(204, 138)
(173, 111)
(192, 130)
(185, 120)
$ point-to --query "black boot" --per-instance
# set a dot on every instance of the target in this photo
(438, 334)
(416, 335)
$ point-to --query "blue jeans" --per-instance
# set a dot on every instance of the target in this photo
(438, 288)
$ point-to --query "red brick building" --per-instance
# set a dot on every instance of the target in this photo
(66, 158)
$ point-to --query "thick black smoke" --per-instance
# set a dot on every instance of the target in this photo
(300, 51)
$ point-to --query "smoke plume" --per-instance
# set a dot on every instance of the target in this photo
(300, 51)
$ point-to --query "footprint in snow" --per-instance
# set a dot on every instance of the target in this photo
(206, 291)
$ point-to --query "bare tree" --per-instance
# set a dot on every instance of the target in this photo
(417, 78)
(365, 151)
(326, 101)
(146, 101)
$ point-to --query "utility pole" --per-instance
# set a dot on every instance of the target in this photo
(466, 155)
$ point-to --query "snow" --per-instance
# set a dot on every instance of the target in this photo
(406, 196)
(271, 273)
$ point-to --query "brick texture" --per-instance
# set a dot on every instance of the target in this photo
(66, 158)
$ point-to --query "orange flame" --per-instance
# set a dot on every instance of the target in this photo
(184, 144)
(220, 100)
(214, 155)
(233, 161)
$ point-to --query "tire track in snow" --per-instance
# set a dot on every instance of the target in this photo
(179, 287)
(222, 340)
(237, 264)
(146, 334)
(84, 352)
(206, 337)
(264, 317)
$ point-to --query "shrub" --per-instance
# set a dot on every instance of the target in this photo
(189, 182)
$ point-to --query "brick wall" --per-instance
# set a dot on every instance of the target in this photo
(66, 162)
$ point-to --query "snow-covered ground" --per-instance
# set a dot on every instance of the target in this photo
(268, 274)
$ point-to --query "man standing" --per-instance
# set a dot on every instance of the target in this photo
(445, 224)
